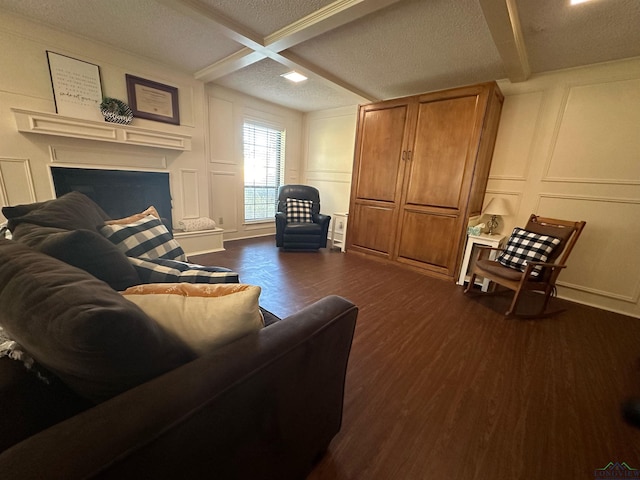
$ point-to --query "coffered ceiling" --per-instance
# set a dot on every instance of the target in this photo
(353, 51)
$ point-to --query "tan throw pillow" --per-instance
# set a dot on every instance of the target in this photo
(134, 218)
(203, 316)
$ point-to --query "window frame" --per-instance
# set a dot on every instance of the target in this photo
(264, 124)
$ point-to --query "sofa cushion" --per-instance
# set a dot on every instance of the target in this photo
(299, 211)
(523, 247)
(203, 316)
(159, 270)
(85, 249)
(78, 328)
(71, 211)
(144, 238)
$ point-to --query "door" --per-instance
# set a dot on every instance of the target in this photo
(438, 176)
(377, 178)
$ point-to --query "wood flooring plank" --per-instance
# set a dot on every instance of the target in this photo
(440, 385)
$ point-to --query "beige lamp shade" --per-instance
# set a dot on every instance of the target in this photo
(496, 206)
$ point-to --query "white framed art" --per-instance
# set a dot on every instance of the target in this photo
(77, 88)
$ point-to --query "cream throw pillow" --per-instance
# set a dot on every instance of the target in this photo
(204, 316)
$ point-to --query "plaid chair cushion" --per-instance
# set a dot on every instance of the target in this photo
(159, 270)
(299, 211)
(144, 238)
(524, 246)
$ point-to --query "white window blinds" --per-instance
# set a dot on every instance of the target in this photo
(263, 169)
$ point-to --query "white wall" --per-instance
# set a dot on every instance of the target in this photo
(568, 147)
(227, 110)
(329, 139)
(25, 83)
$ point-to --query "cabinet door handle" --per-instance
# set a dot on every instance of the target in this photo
(404, 155)
(409, 155)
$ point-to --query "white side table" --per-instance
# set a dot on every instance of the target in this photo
(339, 230)
(494, 241)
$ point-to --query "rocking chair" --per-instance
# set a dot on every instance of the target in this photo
(532, 260)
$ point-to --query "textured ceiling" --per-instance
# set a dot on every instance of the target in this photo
(353, 51)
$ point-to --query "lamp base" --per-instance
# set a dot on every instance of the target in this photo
(492, 224)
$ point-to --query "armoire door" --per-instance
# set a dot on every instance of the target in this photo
(377, 186)
(437, 180)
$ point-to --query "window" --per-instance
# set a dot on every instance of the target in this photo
(263, 169)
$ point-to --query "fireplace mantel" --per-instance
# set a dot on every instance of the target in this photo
(53, 124)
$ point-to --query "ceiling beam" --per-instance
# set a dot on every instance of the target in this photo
(242, 58)
(274, 46)
(321, 21)
(504, 24)
(223, 24)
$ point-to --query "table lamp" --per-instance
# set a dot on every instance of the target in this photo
(496, 207)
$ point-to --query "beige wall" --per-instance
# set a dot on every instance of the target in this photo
(25, 83)
(568, 147)
(329, 139)
(227, 110)
(206, 181)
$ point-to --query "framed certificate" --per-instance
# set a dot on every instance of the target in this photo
(153, 100)
(77, 89)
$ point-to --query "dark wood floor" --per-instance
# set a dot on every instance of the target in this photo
(441, 386)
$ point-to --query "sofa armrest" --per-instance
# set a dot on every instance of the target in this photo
(265, 406)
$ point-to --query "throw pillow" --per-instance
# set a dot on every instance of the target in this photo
(299, 211)
(524, 246)
(196, 224)
(85, 249)
(134, 218)
(203, 316)
(78, 328)
(158, 270)
(145, 238)
(71, 211)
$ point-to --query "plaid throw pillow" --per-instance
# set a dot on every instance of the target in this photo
(299, 211)
(158, 270)
(145, 238)
(524, 246)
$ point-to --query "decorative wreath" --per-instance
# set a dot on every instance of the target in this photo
(116, 111)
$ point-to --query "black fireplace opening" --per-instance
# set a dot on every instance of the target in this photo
(119, 193)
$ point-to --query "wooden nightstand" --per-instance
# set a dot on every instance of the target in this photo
(495, 241)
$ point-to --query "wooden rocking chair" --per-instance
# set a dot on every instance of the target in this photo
(536, 276)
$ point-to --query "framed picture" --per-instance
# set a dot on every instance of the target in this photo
(77, 89)
(153, 100)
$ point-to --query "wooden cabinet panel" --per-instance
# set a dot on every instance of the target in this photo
(441, 146)
(380, 153)
(426, 238)
(375, 228)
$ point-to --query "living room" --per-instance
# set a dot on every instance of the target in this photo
(567, 145)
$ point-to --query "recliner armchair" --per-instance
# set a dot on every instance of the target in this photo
(308, 234)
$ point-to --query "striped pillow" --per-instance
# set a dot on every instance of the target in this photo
(159, 270)
(144, 238)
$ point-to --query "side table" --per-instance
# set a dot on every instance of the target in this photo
(495, 241)
(339, 230)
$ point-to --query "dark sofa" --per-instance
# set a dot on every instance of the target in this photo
(139, 404)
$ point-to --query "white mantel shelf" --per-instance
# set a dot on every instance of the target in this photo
(54, 124)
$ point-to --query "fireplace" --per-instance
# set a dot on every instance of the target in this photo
(120, 193)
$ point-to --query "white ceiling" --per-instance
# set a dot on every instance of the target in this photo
(353, 51)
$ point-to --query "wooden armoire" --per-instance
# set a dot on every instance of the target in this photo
(420, 171)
